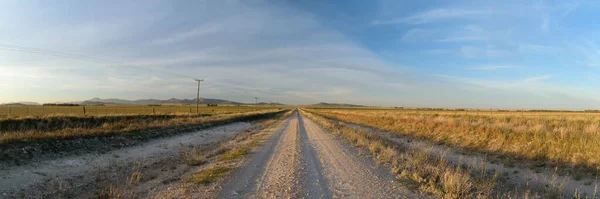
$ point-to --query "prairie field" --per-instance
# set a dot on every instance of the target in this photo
(565, 139)
(26, 111)
(67, 127)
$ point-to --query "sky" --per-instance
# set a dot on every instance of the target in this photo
(451, 54)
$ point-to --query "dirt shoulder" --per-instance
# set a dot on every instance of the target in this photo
(72, 176)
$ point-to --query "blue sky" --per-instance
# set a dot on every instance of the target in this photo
(475, 54)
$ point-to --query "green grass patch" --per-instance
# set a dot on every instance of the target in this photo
(236, 153)
(210, 175)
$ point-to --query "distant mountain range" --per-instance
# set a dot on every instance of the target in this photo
(335, 104)
(97, 101)
(21, 104)
(269, 104)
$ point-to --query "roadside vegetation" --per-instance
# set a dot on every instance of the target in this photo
(104, 110)
(565, 140)
(70, 127)
(219, 161)
(24, 139)
(431, 173)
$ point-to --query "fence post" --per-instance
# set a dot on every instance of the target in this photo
(9, 111)
(27, 107)
(84, 111)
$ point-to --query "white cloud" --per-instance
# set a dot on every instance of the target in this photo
(436, 15)
(416, 34)
(569, 7)
(439, 51)
(545, 93)
(185, 35)
(241, 50)
(493, 67)
(462, 39)
(486, 52)
(466, 34)
(535, 48)
(545, 23)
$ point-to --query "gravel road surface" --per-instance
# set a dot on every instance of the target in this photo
(302, 160)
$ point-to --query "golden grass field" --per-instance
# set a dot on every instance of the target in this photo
(65, 127)
(21, 111)
(562, 138)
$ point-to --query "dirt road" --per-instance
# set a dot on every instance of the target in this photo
(304, 161)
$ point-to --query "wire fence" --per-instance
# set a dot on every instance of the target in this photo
(20, 111)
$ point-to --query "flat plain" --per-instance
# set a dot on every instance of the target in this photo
(310, 152)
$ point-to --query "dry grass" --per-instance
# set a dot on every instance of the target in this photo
(53, 111)
(107, 126)
(569, 139)
(122, 191)
(212, 162)
(229, 155)
(433, 174)
(194, 157)
(418, 169)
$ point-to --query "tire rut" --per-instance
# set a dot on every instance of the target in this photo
(302, 160)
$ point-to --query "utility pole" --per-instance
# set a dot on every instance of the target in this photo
(255, 100)
(198, 95)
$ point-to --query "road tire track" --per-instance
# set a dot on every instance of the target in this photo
(271, 172)
(348, 175)
(304, 161)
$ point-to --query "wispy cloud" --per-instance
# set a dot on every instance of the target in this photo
(569, 7)
(466, 34)
(186, 35)
(270, 52)
(535, 48)
(416, 34)
(535, 79)
(483, 52)
(435, 15)
(526, 87)
(438, 51)
(462, 39)
(493, 67)
(545, 23)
